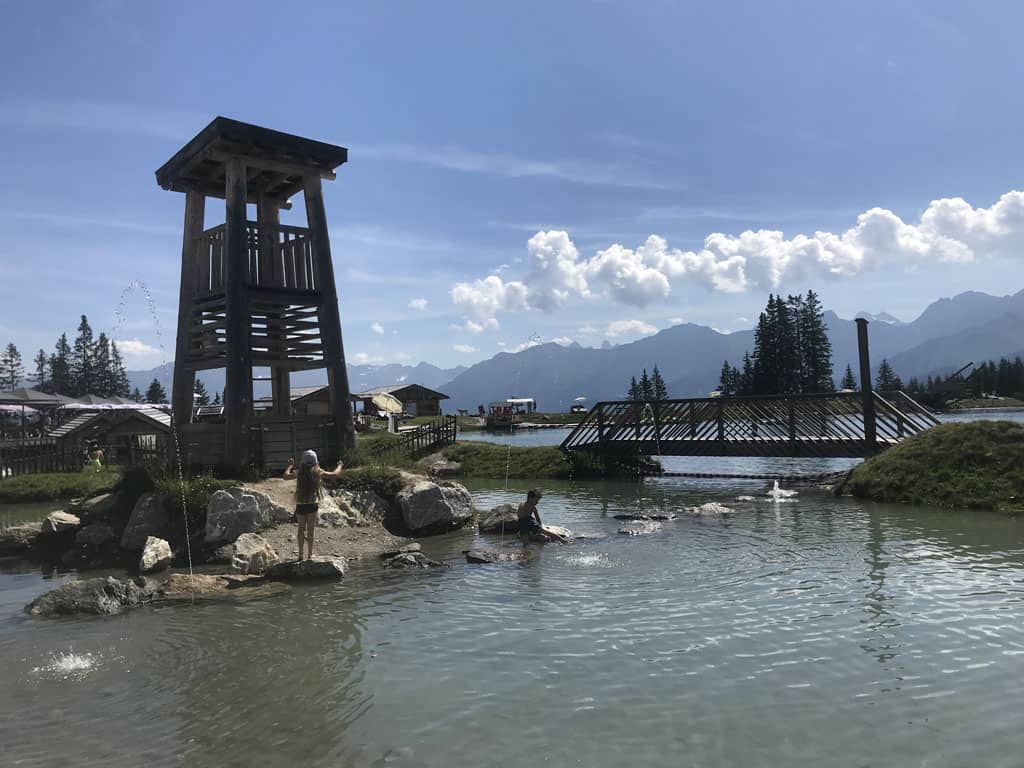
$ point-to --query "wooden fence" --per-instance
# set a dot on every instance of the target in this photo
(425, 438)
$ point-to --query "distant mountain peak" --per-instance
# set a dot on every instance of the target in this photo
(881, 317)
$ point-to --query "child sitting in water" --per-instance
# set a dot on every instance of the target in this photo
(530, 525)
(309, 490)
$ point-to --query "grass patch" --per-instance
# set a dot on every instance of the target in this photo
(978, 465)
(544, 462)
(51, 486)
(386, 482)
(988, 402)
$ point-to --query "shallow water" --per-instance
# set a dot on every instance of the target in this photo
(819, 633)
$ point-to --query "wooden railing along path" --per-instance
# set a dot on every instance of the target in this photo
(426, 437)
(826, 425)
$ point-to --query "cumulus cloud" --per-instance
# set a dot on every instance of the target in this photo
(464, 348)
(471, 326)
(136, 352)
(630, 328)
(676, 321)
(419, 304)
(949, 231)
(362, 358)
(377, 328)
(564, 341)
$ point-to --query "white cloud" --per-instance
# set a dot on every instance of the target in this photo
(564, 341)
(949, 231)
(377, 328)
(588, 330)
(464, 348)
(525, 345)
(137, 353)
(418, 304)
(630, 328)
(471, 326)
(362, 358)
(676, 321)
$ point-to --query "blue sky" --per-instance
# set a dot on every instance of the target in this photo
(509, 162)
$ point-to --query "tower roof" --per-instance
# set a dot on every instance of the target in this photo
(276, 161)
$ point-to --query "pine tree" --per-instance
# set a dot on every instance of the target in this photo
(103, 380)
(216, 399)
(763, 358)
(658, 385)
(60, 367)
(815, 347)
(136, 395)
(155, 393)
(40, 380)
(848, 382)
(119, 376)
(634, 390)
(11, 369)
(725, 383)
(886, 380)
(745, 383)
(646, 388)
(202, 396)
(83, 371)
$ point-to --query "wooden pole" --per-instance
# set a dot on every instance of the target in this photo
(867, 397)
(238, 376)
(183, 383)
(330, 316)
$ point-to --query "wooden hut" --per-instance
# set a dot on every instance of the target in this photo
(416, 399)
(125, 436)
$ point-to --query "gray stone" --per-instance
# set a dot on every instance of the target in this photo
(186, 587)
(644, 517)
(503, 518)
(711, 509)
(156, 555)
(414, 547)
(102, 596)
(444, 468)
(496, 556)
(18, 538)
(59, 522)
(301, 570)
(252, 554)
(411, 560)
(335, 513)
(232, 513)
(95, 535)
(269, 509)
(148, 518)
(98, 509)
(432, 507)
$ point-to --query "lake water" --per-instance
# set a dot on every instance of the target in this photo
(823, 632)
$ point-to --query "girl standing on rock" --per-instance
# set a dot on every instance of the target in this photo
(309, 489)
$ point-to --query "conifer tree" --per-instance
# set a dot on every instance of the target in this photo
(136, 395)
(156, 393)
(216, 398)
(815, 347)
(83, 371)
(103, 383)
(11, 369)
(886, 380)
(40, 379)
(202, 396)
(848, 382)
(745, 385)
(658, 385)
(60, 367)
(118, 374)
(646, 388)
(634, 390)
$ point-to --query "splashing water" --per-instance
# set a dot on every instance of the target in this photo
(65, 665)
(120, 317)
(778, 494)
(590, 560)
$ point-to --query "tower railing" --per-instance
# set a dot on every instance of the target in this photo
(279, 256)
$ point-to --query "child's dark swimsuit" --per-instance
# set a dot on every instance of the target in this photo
(528, 525)
(306, 509)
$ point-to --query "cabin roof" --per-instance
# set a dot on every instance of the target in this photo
(277, 161)
(151, 418)
(395, 389)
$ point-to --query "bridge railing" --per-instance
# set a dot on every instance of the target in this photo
(834, 421)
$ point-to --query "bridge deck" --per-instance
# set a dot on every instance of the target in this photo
(831, 425)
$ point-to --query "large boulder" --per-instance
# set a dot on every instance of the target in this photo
(443, 467)
(304, 570)
(252, 554)
(429, 507)
(60, 523)
(98, 509)
(269, 509)
(95, 535)
(18, 538)
(503, 518)
(149, 517)
(156, 555)
(103, 596)
(711, 509)
(497, 556)
(232, 513)
(335, 512)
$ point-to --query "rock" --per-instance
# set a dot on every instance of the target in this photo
(252, 554)
(710, 509)
(148, 518)
(301, 570)
(336, 513)
(59, 522)
(408, 548)
(413, 559)
(182, 586)
(502, 515)
(103, 596)
(232, 513)
(746, 498)
(18, 538)
(444, 468)
(156, 555)
(368, 505)
(640, 529)
(95, 535)
(98, 509)
(223, 554)
(431, 507)
(494, 556)
(661, 518)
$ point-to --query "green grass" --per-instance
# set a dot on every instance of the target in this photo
(977, 465)
(987, 402)
(52, 486)
(386, 482)
(541, 462)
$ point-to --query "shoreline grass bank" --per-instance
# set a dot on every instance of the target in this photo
(977, 465)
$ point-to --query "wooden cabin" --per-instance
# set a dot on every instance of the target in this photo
(125, 436)
(416, 399)
(306, 401)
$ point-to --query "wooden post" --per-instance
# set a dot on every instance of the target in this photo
(867, 397)
(183, 384)
(720, 416)
(792, 421)
(600, 423)
(693, 421)
(238, 376)
(330, 316)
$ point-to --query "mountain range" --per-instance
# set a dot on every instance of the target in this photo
(950, 332)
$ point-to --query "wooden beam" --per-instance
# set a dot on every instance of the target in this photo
(238, 376)
(266, 164)
(184, 380)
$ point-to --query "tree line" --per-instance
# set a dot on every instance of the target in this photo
(648, 388)
(792, 353)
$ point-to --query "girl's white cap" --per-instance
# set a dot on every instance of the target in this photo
(309, 459)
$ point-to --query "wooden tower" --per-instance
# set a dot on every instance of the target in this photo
(256, 294)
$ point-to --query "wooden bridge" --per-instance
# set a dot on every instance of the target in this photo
(845, 424)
